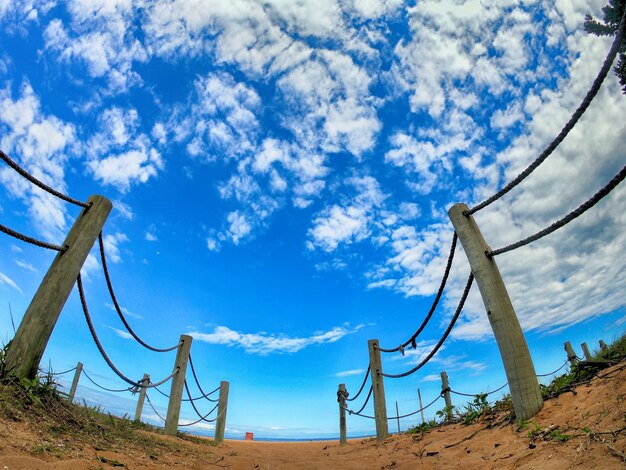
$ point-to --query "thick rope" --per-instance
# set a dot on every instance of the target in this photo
(468, 286)
(154, 409)
(115, 390)
(32, 241)
(187, 399)
(92, 330)
(593, 91)
(193, 405)
(442, 286)
(367, 373)
(195, 377)
(36, 182)
(117, 306)
(367, 399)
(555, 371)
(479, 394)
(205, 420)
(416, 411)
(592, 201)
(64, 372)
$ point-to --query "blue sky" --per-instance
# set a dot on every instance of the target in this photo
(281, 173)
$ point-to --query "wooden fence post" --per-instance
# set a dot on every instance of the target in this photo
(378, 390)
(79, 370)
(603, 345)
(445, 389)
(571, 355)
(178, 382)
(398, 416)
(222, 408)
(518, 365)
(32, 336)
(419, 396)
(341, 398)
(142, 396)
(586, 352)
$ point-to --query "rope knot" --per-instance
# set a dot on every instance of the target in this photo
(401, 349)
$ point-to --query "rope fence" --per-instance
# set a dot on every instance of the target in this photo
(367, 373)
(92, 330)
(591, 94)
(36, 182)
(195, 378)
(442, 286)
(31, 240)
(592, 201)
(153, 408)
(468, 286)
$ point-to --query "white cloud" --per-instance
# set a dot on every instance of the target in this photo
(38, 143)
(122, 333)
(349, 373)
(111, 246)
(7, 281)
(120, 155)
(264, 344)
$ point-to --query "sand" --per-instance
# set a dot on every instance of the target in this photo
(595, 417)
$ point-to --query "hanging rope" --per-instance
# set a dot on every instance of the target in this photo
(593, 91)
(442, 286)
(117, 307)
(205, 420)
(33, 241)
(36, 182)
(64, 372)
(153, 408)
(468, 286)
(479, 394)
(553, 372)
(114, 390)
(416, 411)
(193, 405)
(103, 352)
(367, 399)
(367, 373)
(597, 197)
(195, 377)
(187, 399)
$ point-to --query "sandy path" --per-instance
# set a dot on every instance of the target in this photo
(589, 416)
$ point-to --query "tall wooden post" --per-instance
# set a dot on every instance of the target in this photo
(518, 365)
(445, 389)
(142, 396)
(571, 355)
(586, 352)
(178, 382)
(79, 370)
(341, 398)
(222, 408)
(378, 390)
(28, 345)
(419, 396)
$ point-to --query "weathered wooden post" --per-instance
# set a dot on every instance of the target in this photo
(571, 355)
(341, 398)
(445, 390)
(178, 382)
(27, 347)
(603, 345)
(222, 408)
(398, 416)
(419, 396)
(518, 365)
(586, 352)
(378, 390)
(79, 370)
(142, 396)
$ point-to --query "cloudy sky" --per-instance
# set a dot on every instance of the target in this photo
(281, 173)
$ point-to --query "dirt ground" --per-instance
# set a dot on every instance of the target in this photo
(585, 429)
